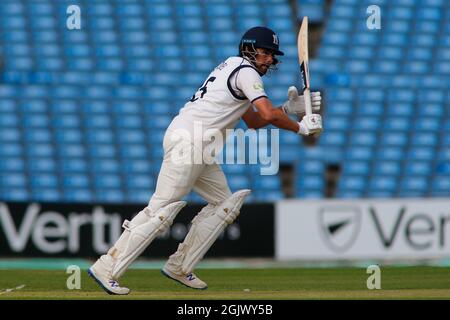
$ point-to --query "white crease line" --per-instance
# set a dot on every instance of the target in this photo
(12, 289)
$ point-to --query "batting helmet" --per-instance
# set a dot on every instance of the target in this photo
(260, 37)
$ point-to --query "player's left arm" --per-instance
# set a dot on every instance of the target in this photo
(310, 124)
(250, 83)
(254, 120)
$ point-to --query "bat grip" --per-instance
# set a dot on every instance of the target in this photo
(307, 97)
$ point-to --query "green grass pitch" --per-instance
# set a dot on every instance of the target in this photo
(248, 284)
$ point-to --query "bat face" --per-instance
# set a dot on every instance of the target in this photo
(303, 58)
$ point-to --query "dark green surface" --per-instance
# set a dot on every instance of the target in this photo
(287, 283)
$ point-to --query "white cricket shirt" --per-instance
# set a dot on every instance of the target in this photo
(223, 98)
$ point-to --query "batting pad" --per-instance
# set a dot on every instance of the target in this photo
(206, 228)
(139, 235)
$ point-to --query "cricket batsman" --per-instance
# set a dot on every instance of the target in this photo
(233, 90)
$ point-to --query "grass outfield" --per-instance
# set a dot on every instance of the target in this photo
(286, 284)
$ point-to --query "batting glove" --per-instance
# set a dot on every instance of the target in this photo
(296, 104)
(310, 125)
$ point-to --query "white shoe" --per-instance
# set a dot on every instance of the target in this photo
(99, 272)
(190, 280)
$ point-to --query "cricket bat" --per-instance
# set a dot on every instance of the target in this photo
(303, 58)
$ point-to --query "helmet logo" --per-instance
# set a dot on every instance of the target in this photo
(275, 39)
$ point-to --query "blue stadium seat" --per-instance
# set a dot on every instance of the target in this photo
(101, 23)
(67, 135)
(12, 164)
(237, 182)
(370, 109)
(41, 165)
(392, 153)
(128, 122)
(311, 182)
(417, 169)
(363, 138)
(81, 111)
(139, 181)
(72, 165)
(443, 168)
(386, 168)
(77, 195)
(45, 180)
(365, 124)
(414, 184)
(61, 106)
(14, 194)
(239, 169)
(428, 125)
(75, 180)
(13, 180)
(99, 137)
(424, 139)
(420, 153)
(383, 194)
(396, 124)
(8, 120)
(11, 149)
(362, 52)
(105, 181)
(66, 122)
(45, 194)
(306, 167)
(133, 151)
(266, 182)
(352, 183)
(419, 54)
(107, 50)
(339, 108)
(37, 135)
(137, 166)
(34, 149)
(333, 138)
(416, 67)
(441, 185)
(137, 196)
(383, 183)
(269, 196)
(109, 195)
(431, 110)
(394, 139)
(307, 193)
(71, 150)
(161, 23)
(356, 168)
(104, 165)
(348, 194)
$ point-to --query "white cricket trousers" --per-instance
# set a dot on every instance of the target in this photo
(177, 178)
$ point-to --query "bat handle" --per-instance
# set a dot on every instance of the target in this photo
(307, 97)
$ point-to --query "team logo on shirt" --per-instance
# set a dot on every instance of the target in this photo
(258, 86)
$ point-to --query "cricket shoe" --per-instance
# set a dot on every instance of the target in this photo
(189, 280)
(99, 272)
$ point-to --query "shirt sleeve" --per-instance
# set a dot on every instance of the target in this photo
(249, 82)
